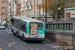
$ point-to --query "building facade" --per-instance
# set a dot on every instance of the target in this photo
(32, 8)
(27, 8)
(3, 10)
(70, 14)
(14, 8)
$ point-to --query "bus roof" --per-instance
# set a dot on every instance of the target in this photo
(26, 19)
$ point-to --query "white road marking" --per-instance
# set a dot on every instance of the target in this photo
(31, 48)
(15, 47)
(12, 45)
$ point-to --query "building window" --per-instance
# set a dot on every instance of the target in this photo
(3, 19)
(22, 13)
(3, 8)
(3, 1)
(19, 2)
(29, 3)
(22, 5)
(3, 14)
(26, 4)
(25, 0)
(6, 14)
(19, 9)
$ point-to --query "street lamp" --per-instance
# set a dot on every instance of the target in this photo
(46, 11)
(39, 12)
(59, 8)
(34, 8)
(28, 8)
(10, 7)
(59, 11)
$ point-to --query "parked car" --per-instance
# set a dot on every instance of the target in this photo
(2, 27)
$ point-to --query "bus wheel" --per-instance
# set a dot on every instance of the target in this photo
(13, 32)
(22, 36)
(17, 34)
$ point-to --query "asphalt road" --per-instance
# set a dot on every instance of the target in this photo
(10, 42)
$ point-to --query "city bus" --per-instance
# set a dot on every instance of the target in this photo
(28, 28)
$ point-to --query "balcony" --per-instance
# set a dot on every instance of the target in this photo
(30, 7)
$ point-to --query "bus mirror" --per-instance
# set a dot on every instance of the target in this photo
(12, 20)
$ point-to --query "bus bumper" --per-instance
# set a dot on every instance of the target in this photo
(36, 39)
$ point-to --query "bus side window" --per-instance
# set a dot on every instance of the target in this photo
(23, 27)
(16, 24)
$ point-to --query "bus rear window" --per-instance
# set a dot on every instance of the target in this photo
(40, 24)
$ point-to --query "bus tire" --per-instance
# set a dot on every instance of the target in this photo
(22, 36)
(13, 32)
(17, 34)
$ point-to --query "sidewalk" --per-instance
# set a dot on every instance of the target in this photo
(55, 45)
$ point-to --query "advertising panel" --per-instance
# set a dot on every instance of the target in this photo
(33, 28)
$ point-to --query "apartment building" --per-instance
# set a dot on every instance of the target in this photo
(14, 8)
(27, 8)
(3, 10)
(31, 8)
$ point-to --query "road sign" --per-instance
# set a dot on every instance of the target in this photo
(43, 15)
(42, 18)
(39, 2)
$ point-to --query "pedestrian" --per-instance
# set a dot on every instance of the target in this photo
(8, 25)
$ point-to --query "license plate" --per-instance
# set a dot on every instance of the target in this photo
(35, 36)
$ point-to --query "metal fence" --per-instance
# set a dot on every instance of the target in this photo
(59, 26)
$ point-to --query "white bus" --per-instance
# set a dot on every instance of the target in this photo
(28, 28)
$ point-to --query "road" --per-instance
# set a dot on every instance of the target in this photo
(10, 42)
